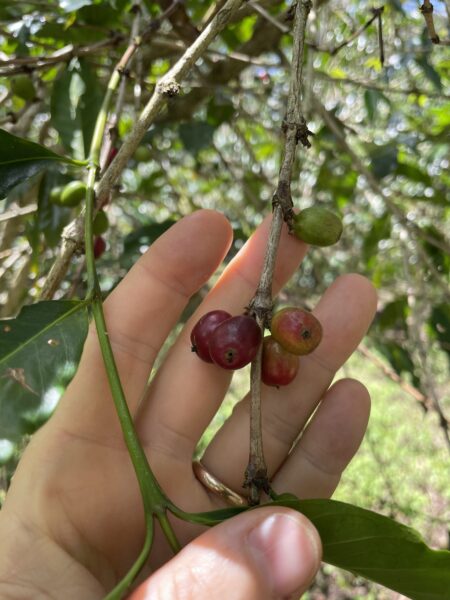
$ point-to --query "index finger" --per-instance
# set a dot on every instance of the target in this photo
(140, 313)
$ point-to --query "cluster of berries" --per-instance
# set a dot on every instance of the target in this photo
(233, 342)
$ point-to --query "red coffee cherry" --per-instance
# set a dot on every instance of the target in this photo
(202, 331)
(297, 330)
(235, 342)
(279, 367)
(99, 246)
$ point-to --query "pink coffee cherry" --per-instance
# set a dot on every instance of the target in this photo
(235, 342)
(279, 367)
(202, 331)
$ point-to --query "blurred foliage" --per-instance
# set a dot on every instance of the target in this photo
(217, 145)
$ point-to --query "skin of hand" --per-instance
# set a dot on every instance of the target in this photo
(72, 522)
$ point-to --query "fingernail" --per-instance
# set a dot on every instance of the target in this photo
(287, 551)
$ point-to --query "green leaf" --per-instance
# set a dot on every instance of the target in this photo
(196, 135)
(380, 229)
(20, 159)
(394, 315)
(378, 548)
(39, 352)
(430, 72)
(399, 359)
(365, 543)
(75, 103)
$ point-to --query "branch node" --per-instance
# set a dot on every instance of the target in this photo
(169, 88)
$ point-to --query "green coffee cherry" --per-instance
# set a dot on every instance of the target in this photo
(317, 226)
(55, 195)
(101, 223)
(22, 87)
(73, 193)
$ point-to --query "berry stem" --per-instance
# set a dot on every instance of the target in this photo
(295, 130)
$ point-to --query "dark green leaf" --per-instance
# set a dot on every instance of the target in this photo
(378, 548)
(367, 544)
(20, 159)
(39, 352)
(371, 98)
(196, 135)
(399, 359)
(380, 229)
(220, 110)
(441, 259)
(383, 160)
(90, 103)
(430, 72)
(413, 173)
(394, 315)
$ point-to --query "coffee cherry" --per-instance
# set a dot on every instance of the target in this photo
(99, 246)
(297, 330)
(100, 223)
(111, 156)
(73, 193)
(317, 226)
(235, 342)
(202, 331)
(55, 195)
(279, 367)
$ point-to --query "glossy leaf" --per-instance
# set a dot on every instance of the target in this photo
(20, 159)
(39, 352)
(367, 544)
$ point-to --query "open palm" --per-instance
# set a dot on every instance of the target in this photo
(72, 523)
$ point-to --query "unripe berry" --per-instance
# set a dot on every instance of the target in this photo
(55, 195)
(235, 342)
(279, 367)
(73, 193)
(202, 331)
(99, 246)
(297, 330)
(317, 226)
(100, 223)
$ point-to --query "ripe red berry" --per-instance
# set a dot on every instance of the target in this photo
(202, 331)
(99, 246)
(111, 156)
(297, 330)
(279, 367)
(235, 342)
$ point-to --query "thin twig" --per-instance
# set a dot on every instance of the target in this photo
(266, 15)
(14, 213)
(168, 87)
(427, 10)
(376, 14)
(383, 89)
(295, 130)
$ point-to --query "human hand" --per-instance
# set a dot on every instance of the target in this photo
(72, 523)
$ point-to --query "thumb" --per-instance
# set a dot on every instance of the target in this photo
(262, 554)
